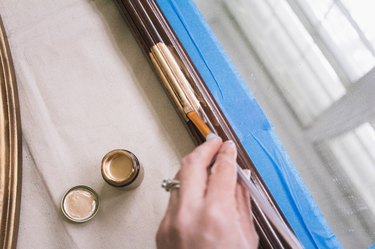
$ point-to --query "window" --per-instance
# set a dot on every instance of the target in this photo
(311, 66)
(340, 34)
(291, 56)
(354, 155)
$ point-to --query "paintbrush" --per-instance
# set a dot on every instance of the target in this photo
(163, 48)
(253, 191)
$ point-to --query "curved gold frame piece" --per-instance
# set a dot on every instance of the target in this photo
(10, 148)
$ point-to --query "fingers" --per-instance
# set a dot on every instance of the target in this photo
(244, 208)
(173, 198)
(245, 214)
(223, 177)
(193, 173)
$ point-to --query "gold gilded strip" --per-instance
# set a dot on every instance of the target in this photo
(171, 77)
(174, 79)
(10, 148)
(182, 80)
(167, 85)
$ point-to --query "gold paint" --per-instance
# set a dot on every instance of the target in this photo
(120, 168)
(166, 84)
(10, 148)
(80, 204)
(174, 79)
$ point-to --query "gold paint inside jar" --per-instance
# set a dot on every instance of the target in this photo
(80, 204)
(121, 168)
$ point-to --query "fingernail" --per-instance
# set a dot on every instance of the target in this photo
(211, 136)
(230, 143)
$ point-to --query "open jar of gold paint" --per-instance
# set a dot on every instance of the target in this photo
(121, 168)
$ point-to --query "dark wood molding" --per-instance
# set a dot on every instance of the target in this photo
(10, 148)
(143, 15)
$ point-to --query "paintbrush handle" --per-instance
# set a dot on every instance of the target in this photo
(271, 214)
(199, 124)
(268, 210)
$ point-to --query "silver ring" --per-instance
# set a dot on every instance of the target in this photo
(169, 184)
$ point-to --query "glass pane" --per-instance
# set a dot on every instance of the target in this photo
(356, 59)
(316, 10)
(362, 12)
(351, 158)
(289, 54)
(290, 73)
(355, 154)
(333, 24)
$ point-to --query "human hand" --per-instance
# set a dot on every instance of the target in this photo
(210, 210)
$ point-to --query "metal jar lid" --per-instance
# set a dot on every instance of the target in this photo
(80, 204)
(121, 168)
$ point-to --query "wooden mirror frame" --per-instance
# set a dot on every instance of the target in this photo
(144, 16)
(10, 148)
(10, 138)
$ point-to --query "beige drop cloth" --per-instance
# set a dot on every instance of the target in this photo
(86, 88)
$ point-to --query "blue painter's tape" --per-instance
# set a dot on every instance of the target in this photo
(250, 124)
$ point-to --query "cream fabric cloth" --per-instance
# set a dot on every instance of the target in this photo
(86, 88)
